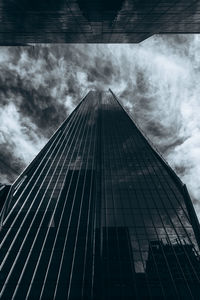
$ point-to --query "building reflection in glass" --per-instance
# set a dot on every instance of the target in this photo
(162, 271)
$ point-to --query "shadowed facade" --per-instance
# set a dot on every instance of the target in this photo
(99, 215)
(94, 21)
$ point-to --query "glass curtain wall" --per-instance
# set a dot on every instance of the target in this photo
(98, 215)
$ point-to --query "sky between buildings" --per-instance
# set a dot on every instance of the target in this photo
(157, 80)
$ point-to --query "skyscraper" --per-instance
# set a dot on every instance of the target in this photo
(99, 215)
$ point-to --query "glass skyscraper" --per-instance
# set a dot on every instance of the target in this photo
(99, 215)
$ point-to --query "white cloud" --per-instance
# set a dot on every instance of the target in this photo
(16, 137)
(158, 81)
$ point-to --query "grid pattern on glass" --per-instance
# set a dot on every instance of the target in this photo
(47, 235)
(98, 216)
(140, 197)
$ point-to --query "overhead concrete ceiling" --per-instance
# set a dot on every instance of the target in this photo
(94, 21)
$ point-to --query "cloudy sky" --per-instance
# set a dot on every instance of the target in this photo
(157, 80)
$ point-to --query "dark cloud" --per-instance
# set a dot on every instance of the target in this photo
(157, 81)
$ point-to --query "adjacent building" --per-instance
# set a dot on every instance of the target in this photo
(4, 189)
(95, 21)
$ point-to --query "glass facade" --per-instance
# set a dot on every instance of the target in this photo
(98, 215)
